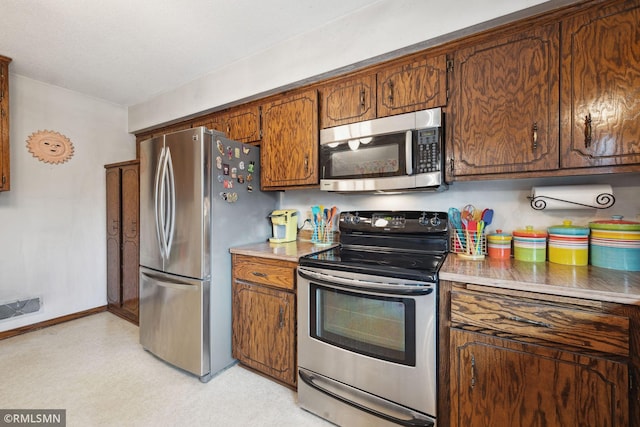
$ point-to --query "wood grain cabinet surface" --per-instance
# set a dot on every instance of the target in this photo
(5, 157)
(123, 239)
(504, 104)
(411, 86)
(400, 87)
(348, 100)
(289, 148)
(264, 316)
(239, 124)
(561, 98)
(600, 101)
(537, 360)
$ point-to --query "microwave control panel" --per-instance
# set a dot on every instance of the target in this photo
(428, 150)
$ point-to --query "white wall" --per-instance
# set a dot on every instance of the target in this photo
(52, 222)
(385, 26)
(508, 198)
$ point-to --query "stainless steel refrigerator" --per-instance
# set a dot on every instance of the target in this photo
(199, 196)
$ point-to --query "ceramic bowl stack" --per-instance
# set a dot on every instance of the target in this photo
(530, 245)
(615, 244)
(568, 244)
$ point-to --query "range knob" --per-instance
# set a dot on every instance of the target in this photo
(423, 220)
(435, 221)
(352, 219)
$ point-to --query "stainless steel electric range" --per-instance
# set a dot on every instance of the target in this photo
(367, 314)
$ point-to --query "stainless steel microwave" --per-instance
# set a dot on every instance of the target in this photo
(390, 154)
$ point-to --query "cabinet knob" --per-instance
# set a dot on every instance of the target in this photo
(391, 93)
(535, 136)
(259, 274)
(362, 99)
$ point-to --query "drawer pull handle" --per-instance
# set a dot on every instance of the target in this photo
(588, 131)
(259, 274)
(529, 321)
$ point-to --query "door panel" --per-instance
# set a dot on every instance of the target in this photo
(172, 320)
(188, 246)
(149, 244)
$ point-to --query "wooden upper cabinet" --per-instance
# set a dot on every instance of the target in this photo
(504, 105)
(5, 158)
(412, 86)
(289, 148)
(600, 107)
(348, 100)
(242, 125)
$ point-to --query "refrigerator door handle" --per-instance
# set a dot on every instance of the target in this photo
(171, 203)
(169, 282)
(158, 193)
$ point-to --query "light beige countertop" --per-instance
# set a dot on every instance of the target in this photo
(291, 251)
(588, 282)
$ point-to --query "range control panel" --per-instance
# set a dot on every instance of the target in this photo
(400, 222)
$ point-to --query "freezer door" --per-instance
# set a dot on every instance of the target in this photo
(174, 320)
(150, 151)
(185, 210)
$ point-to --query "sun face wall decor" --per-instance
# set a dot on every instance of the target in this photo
(50, 147)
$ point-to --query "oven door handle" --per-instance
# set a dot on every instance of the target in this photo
(415, 420)
(399, 288)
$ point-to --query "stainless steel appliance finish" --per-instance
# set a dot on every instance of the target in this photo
(199, 195)
(367, 318)
(397, 153)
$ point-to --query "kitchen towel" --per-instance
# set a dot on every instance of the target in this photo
(572, 197)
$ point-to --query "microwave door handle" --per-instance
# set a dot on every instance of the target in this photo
(408, 152)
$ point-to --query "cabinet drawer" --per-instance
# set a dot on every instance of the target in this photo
(550, 322)
(265, 271)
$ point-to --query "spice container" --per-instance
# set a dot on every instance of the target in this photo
(530, 245)
(615, 244)
(499, 245)
(568, 244)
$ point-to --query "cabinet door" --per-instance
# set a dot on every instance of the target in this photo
(5, 176)
(412, 86)
(504, 105)
(498, 382)
(601, 87)
(264, 330)
(289, 149)
(217, 121)
(130, 239)
(244, 125)
(348, 101)
(113, 236)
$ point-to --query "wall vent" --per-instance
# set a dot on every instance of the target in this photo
(19, 307)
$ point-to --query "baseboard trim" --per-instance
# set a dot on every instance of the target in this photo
(30, 328)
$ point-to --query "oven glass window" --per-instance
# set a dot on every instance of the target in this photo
(381, 156)
(377, 326)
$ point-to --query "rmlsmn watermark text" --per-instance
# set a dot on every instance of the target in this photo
(33, 417)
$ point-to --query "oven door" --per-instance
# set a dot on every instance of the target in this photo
(368, 334)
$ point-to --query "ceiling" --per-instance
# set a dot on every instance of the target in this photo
(128, 51)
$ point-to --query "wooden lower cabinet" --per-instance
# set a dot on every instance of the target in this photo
(502, 382)
(264, 316)
(514, 358)
(123, 239)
